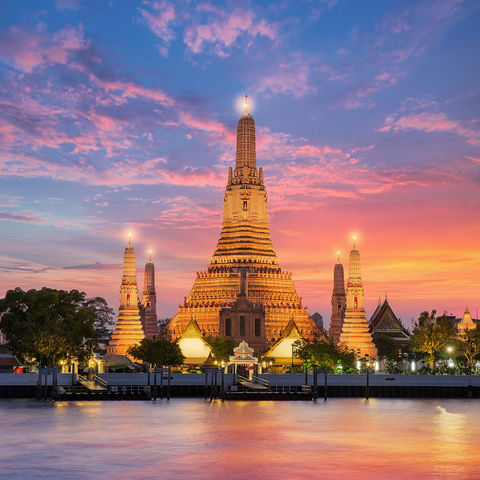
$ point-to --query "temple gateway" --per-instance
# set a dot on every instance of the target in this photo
(244, 294)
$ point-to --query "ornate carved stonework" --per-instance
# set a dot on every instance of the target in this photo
(338, 303)
(245, 246)
(149, 302)
(355, 329)
(128, 328)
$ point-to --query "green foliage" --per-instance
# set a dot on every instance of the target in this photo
(387, 347)
(325, 354)
(157, 352)
(470, 346)
(47, 325)
(430, 335)
(222, 348)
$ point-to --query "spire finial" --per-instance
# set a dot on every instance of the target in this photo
(150, 256)
(245, 105)
(386, 297)
(338, 256)
(354, 241)
(130, 239)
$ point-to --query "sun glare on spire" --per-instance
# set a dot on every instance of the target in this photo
(244, 104)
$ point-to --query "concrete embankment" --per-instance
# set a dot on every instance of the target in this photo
(281, 387)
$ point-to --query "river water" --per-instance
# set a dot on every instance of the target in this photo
(197, 440)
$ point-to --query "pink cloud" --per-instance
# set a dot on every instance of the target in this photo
(226, 29)
(216, 130)
(159, 21)
(128, 90)
(430, 122)
(288, 78)
(118, 173)
(27, 49)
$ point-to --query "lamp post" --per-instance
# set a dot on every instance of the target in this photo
(450, 362)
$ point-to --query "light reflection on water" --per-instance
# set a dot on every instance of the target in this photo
(193, 439)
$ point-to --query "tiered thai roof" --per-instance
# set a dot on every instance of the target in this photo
(385, 322)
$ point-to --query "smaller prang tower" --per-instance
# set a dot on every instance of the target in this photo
(128, 329)
(355, 329)
(339, 301)
(149, 301)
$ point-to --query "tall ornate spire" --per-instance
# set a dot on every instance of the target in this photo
(355, 330)
(149, 300)
(244, 291)
(246, 151)
(245, 235)
(338, 301)
(128, 329)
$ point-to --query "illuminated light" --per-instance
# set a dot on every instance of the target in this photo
(413, 366)
(377, 366)
(244, 106)
(358, 364)
(449, 349)
(451, 364)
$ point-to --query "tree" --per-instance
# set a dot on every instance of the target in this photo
(157, 352)
(325, 354)
(430, 335)
(48, 325)
(470, 346)
(222, 348)
(387, 347)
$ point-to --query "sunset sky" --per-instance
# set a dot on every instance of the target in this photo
(120, 116)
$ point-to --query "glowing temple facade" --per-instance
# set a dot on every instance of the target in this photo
(128, 329)
(244, 292)
(465, 324)
(355, 329)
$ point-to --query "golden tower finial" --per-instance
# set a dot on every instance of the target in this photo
(338, 256)
(245, 105)
(130, 239)
(354, 241)
(150, 256)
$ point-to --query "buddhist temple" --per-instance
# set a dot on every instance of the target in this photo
(338, 302)
(128, 329)
(149, 301)
(385, 322)
(465, 324)
(355, 329)
(193, 344)
(244, 293)
(281, 351)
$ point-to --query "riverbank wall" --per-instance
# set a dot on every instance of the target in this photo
(281, 386)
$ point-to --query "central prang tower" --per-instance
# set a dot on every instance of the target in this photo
(244, 293)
